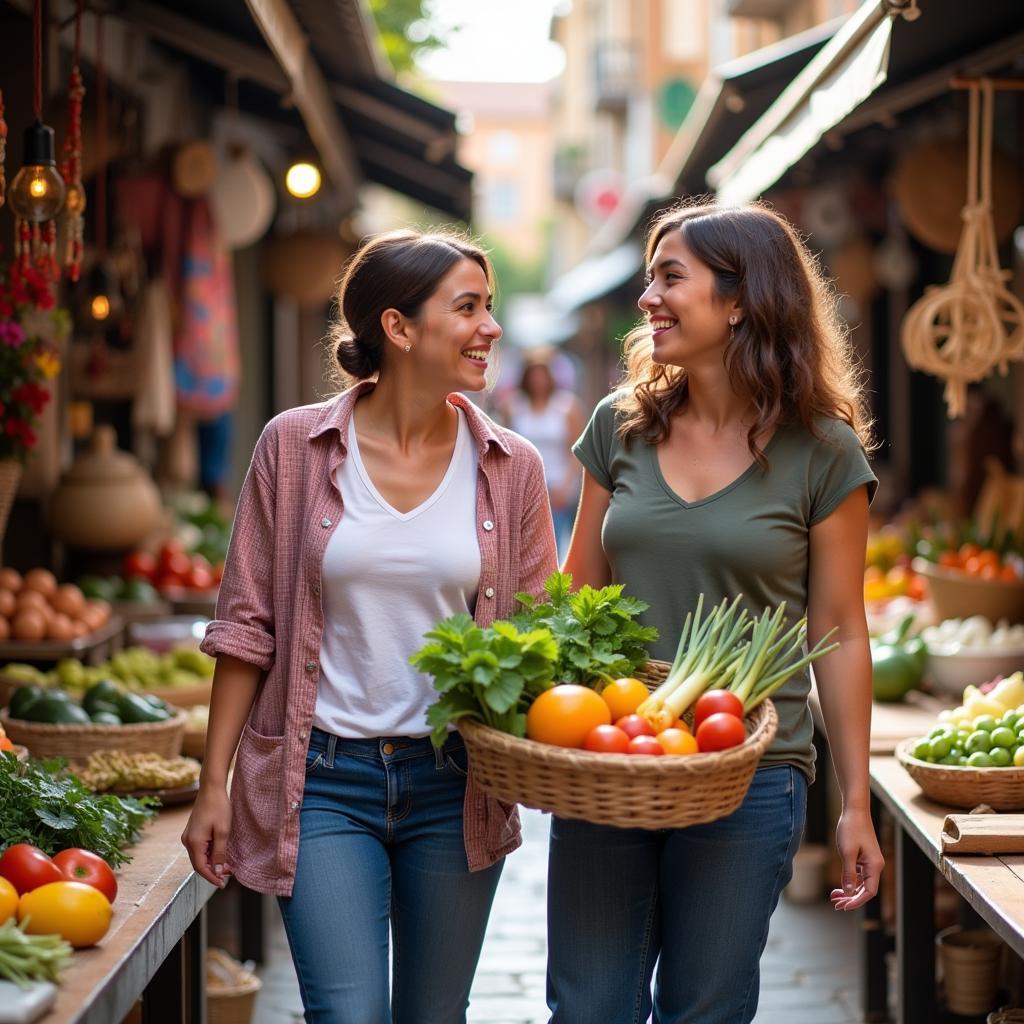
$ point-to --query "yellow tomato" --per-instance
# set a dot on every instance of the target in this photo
(676, 741)
(565, 714)
(8, 900)
(624, 696)
(73, 910)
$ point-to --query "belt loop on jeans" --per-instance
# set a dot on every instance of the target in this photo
(332, 744)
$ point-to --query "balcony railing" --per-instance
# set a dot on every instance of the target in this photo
(614, 73)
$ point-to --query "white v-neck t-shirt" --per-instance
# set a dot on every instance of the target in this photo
(387, 578)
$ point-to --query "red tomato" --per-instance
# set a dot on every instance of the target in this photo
(170, 548)
(719, 732)
(607, 739)
(635, 725)
(644, 744)
(218, 571)
(27, 868)
(198, 578)
(139, 563)
(85, 866)
(176, 564)
(715, 701)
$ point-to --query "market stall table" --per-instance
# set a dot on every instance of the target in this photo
(156, 943)
(992, 885)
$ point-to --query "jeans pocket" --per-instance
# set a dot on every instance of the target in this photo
(456, 761)
(314, 759)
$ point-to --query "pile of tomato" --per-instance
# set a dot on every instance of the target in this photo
(172, 567)
(985, 563)
(70, 894)
(568, 715)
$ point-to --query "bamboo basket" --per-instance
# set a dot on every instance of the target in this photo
(77, 742)
(961, 786)
(624, 790)
(230, 989)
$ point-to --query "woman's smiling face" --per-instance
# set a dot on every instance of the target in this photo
(455, 334)
(689, 321)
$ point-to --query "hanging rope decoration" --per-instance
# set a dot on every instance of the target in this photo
(962, 330)
(3, 149)
(71, 165)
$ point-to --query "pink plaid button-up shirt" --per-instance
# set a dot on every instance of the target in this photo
(269, 614)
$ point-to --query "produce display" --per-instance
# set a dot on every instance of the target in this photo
(120, 771)
(104, 703)
(985, 731)
(37, 607)
(134, 668)
(975, 633)
(44, 805)
(898, 662)
(119, 589)
(173, 567)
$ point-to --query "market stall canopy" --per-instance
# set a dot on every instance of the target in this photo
(731, 99)
(324, 58)
(596, 277)
(882, 61)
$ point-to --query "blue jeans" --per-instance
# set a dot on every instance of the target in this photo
(697, 901)
(381, 850)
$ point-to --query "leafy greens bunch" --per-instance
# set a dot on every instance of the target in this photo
(491, 674)
(596, 631)
(45, 806)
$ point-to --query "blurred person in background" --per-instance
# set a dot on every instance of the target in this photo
(552, 418)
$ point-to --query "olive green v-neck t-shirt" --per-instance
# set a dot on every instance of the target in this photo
(749, 538)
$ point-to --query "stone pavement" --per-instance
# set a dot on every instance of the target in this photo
(808, 972)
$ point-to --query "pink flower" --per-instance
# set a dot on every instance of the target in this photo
(11, 333)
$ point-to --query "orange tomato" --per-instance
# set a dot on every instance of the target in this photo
(74, 910)
(8, 900)
(565, 714)
(1008, 573)
(968, 551)
(949, 559)
(916, 589)
(624, 696)
(989, 572)
(675, 741)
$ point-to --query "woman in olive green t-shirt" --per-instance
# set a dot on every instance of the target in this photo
(730, 461)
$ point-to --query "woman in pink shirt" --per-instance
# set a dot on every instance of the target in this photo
(361, 522)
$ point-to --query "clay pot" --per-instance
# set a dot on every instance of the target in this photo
(304, 266)
(105, 501)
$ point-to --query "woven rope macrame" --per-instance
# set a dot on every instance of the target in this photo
(962, 330)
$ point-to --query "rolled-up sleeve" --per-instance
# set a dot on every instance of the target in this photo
(244, 623)
(538, 556)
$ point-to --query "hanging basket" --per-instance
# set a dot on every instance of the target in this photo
(10, 476)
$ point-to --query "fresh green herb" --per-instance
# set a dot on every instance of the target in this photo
(596, 631)
(491, 674)
(27, 958)
(43, 804)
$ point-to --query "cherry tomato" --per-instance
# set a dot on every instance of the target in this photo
(720, 731)
(635, 725)
(675, 741)
(85, 866)
(624, 696)
(139, 563)
(27, 868)
(645, 745)
(715, 701)
(198, 578)
(607, 739)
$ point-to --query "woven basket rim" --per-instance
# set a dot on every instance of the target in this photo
(764, 719)
(72, 729)
(966, 772)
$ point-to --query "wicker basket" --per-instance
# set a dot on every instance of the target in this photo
(625, 790)
(962, 786)
(1006, 1015)
(230, 989)
(77, 742)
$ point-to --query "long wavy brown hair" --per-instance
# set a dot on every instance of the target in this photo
(791, 352)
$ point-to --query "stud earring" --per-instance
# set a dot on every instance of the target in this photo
(732, 321)
(408, 348)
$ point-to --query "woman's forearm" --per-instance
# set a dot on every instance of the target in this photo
(235, 683)
(844, 692)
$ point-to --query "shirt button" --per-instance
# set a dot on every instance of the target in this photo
(489, 592)
(388, 748)
(302, 736)
(325, 522)
(295, 805)
(488, 525)
(310, 665)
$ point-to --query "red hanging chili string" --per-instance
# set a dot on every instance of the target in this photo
(37, 58)
(101, 142)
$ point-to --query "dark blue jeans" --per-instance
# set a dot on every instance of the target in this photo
(381, 850)
(696, 901)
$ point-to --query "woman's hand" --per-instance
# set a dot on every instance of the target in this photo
(861, 858)
(206, 834)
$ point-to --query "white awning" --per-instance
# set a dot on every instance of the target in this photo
(596, 277)
(839, 78)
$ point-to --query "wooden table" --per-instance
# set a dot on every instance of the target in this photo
(156, 943)
(993, 885)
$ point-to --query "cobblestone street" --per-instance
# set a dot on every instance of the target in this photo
(808, 970)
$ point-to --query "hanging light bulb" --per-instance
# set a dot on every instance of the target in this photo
(303, 179)
(102, 302)
(37, 192)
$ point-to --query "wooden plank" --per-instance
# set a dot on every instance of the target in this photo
(158, 897)
(915, 715)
